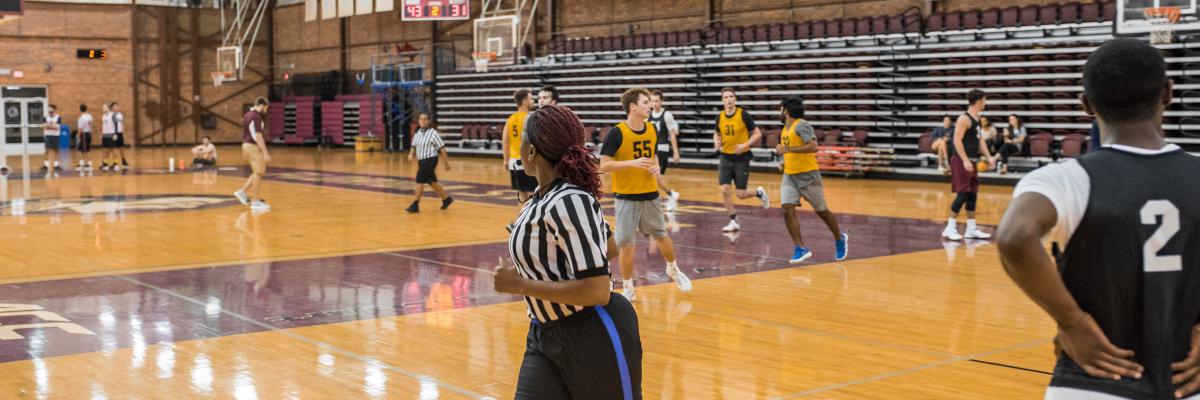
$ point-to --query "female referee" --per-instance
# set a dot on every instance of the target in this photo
(583, 340)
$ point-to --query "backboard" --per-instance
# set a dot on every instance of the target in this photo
(1132, 21)
(229, 64)
(499, 35)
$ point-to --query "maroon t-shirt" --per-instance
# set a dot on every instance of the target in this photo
(252, 117)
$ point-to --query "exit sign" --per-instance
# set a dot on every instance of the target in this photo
(434, 10)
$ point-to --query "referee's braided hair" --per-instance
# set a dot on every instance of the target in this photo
(558, 136)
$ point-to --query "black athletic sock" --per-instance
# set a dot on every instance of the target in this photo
(733, 217)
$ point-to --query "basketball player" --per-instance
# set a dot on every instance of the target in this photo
(119, 124)
(1125, 291)
(427, 149)
(965, 150)
(53, 134)
(112, 137)
(254, 150)
(735, 134)
(548, 96)
(511, 145)
(628, 153)
(83, 139)
(584, 340)
(668, 144)
(802, 178)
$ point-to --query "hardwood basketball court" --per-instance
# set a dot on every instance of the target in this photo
(179, 292)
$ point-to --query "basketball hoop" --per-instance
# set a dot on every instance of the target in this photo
(1162, 23)
(482, 58)
(220, 77)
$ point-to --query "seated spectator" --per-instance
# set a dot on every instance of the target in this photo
(941, 136)
(204, 154)
(987, 133)
(1014, 139)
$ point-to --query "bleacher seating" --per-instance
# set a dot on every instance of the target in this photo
(870, 81)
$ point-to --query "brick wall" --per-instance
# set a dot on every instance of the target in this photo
(42, 44)
(589, 18)
(309, 47)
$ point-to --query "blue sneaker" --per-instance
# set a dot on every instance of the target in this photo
(842, 247)
(799, 255)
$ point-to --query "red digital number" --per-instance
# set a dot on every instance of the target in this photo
(415, 11)
(458, 10)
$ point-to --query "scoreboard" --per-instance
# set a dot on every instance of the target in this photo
(432, 10)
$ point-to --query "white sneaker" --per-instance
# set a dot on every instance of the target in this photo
(951, 234)
(629, 293)
(259, 206)
(732, 227)
(672, 200)
(977, 234)
(681, 280)
(241, 196)
(762, 195)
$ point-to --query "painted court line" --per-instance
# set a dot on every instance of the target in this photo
(318, 343)
(919, 368)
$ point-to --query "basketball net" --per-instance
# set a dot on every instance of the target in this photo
(482, 58)
(1162, 23)
(220, 77)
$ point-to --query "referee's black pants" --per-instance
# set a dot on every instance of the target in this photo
(576, 357)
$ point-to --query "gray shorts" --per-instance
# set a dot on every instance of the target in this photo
(635, 215)
(807, 185)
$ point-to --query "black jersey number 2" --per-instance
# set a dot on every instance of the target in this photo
(1151, 260)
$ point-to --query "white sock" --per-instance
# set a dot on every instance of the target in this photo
(627, 283)
(673, 265)
(952, 223)
(970, 225)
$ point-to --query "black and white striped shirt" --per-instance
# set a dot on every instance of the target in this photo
(559, 235)
(428, 143)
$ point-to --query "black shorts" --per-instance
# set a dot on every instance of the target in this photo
(112, 141)
(576, 358)
(522, 182)
(84, 143)
(663, 159)
(734, 169)
(427, 170)
(52, 142)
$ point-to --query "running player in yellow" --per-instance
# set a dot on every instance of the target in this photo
(802, 178)
(511, 146)
(629, 153)
(736, 133)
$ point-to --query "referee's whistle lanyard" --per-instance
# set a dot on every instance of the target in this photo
(618, 348)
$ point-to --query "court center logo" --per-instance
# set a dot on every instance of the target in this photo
(132, 204)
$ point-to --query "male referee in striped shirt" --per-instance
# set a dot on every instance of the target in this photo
(427, 147)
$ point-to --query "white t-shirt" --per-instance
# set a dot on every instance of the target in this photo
(56, 120)
(107, 125)
(85, 123)
(667, 118)
(120, 121)
(1068, 187)
(989, 133)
